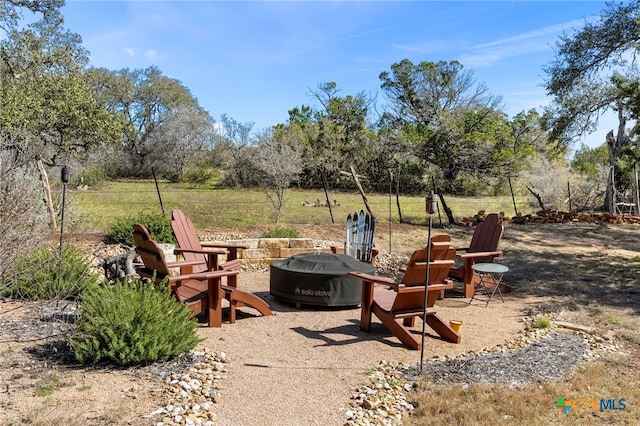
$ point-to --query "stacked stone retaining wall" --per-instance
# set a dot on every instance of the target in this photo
(266, 250)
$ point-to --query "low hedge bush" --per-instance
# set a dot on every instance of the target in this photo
(280, 233)
(158, 225)
(132, 322)
(44, 274)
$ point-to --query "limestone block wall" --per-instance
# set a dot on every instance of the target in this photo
(263, 250)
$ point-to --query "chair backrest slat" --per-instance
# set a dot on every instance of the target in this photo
(187, 238)
(149, 251)
(416, 275)
(487, 236)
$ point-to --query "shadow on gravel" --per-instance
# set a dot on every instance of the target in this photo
(587, 265)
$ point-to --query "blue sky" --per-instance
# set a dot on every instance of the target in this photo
(254, 61)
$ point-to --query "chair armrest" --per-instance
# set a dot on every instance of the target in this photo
(497, 253)
(202, 275)
(183, 263)
(401, 288)
(232, 248)
(223, 245)
(372, 278)
(437, 262)
(181, 250)
(211, 256)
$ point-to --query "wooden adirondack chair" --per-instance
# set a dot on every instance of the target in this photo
(482, 249)
(201, 291)
(193, 250)
(440, 245)
(405, 300)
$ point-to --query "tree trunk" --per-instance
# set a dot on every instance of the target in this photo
(610, 199)
(540, 203)
(47, 195)
(447, 210)
(636, 197)
(398, 196)
(615, 146)
(326, 195)
(364, 197)
(513, 198)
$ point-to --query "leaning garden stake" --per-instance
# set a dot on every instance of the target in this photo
(431, 207)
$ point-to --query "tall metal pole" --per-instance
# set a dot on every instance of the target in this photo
(390, 191)
(431, 208)
(155, 179)
(64, 177)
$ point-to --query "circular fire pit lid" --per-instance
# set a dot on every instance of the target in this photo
(318, 279)
(323, 263)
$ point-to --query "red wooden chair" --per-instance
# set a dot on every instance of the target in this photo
(192, 249)
(405, 300)
(482, 249)
(201, 291)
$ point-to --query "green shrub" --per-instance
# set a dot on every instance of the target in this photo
(93, 176)
(41, 275)
(130, 323)
(158, 225)
(200, 174)
(542, 322)
(280, 233)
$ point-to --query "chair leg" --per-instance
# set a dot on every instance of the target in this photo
(215, 295)
(442, 329)
(470, 287)
(469, 278)
(365, 306)
(402, 333)
(409, 322)
(240, 298)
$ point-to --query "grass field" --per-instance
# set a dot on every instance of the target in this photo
(587, 273)
(208, 206)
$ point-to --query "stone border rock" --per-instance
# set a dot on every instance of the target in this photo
(193, 393)
(384, 400)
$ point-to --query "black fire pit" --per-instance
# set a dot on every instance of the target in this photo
(318, 279)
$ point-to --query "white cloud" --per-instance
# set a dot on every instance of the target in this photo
(130, 52)
(538, 40)
(486, 57)
(151, 54)
(545, 32)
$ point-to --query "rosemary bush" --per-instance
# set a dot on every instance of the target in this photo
(158, 225)
(132, 322)
(280, 233)
(44, 274)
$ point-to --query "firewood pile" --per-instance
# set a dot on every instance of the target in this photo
(555, 216)
(478, 218)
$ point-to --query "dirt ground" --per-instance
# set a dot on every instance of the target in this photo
(301, 366)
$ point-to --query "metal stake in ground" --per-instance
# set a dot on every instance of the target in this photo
(390, 190)
(64, 177)
(155, 179)
(431, 208)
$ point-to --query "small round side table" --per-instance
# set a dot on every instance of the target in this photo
(490, 275)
